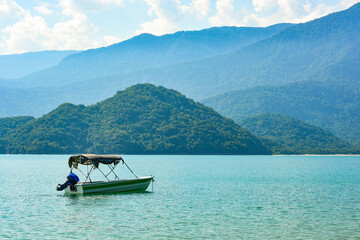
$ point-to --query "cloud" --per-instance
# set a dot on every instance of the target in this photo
(43, 9)
(110, 2)
(98, 5)
(108, 40)
(225, 15)
(200, 8)
(32, 33)
(27, 34)
(260, 5)
(268, 12)
(9, 8)
(166, 13)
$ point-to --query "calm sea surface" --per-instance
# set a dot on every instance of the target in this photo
(195, 197)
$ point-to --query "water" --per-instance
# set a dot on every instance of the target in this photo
(195, 197)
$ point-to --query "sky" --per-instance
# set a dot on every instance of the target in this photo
(37, 25)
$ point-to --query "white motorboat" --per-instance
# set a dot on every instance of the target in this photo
(74, 186)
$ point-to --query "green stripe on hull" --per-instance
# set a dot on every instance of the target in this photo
(93, 186)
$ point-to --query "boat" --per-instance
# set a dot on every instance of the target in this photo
(74, 186)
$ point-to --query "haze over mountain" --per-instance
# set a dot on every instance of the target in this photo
(19, 65)
(143, 119)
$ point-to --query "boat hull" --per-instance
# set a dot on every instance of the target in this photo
(123, 185)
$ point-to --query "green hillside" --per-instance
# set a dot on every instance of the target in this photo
(286, 135)
(337, 110)
(10, 123)
(142, 119)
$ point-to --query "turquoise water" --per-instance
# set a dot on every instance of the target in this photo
(195, 197)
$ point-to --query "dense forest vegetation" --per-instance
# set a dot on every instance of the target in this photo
(11, 123)
(286, 135)
(335, 108)
(142, 119)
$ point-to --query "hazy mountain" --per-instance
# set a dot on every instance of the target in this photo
(286, 135)
(325, 49)
(148, 51)
(19, 65)
(335, 109)
(143, 119)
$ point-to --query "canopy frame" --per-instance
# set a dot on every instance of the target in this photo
(94, 160)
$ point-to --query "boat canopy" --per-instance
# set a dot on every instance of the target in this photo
(93, 159)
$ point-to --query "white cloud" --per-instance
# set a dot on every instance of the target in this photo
(199, 7)
(260, 5)
(27, 34)
(110, 2)
(32, 33)
(202, 7)
(347, 3)
(9, 8)
(43, 9)
(74, 31)
(98, 5)
(267, 12)
(166, 12)
(225, 15)
(109, 40)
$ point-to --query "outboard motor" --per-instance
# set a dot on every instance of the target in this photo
(72, 180)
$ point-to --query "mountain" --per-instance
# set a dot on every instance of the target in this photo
(337, 110)
(286, 135)
(143, 119)
(19, 65)
(148, 51)
(324, 50)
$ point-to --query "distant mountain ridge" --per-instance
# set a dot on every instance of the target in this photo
(143, 119)
(148, 51)
(18, 65)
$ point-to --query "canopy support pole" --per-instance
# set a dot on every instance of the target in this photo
(88, 176)
(104, 174)
(112, 171)
(81, 172)
(129, 168)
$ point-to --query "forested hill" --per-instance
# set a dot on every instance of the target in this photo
(286, 135)
(143, 119)
(334, 109)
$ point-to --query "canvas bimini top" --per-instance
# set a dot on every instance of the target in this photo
(93, 159)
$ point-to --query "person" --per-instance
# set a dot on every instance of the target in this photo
(72, 180)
